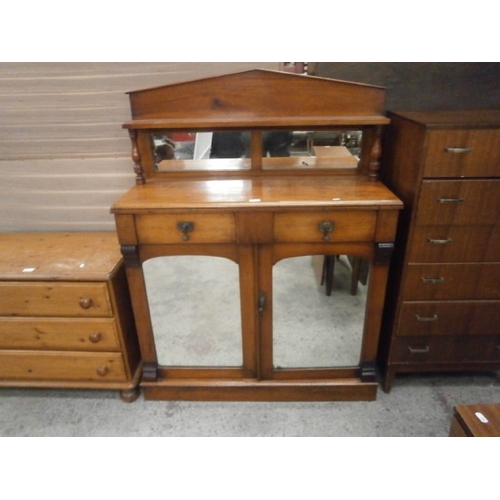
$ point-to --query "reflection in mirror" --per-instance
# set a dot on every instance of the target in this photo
(311, 329)
(180, 151)
(195, 310)
(308, 149)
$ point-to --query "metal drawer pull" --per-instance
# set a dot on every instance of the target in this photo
(439, 242)
(185, 227)
(420, 350)
(450, 200)
(426, 318)
(432, 281)
(326, 227)
(458, 150)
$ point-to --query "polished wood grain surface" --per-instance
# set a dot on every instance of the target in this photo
(480, 420)
(284, 192)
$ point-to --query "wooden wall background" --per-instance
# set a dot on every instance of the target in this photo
(64, 158)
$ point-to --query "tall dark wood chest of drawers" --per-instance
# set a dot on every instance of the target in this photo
(442, 310)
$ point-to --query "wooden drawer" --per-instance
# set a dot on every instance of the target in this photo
(459, 202)
(70, 366)
(475, 281)
(462, 153)
(449, 318)
(186, 228)
(54, 299)
(455, 349)
(455, 244)
(59, 333)
(316, 226)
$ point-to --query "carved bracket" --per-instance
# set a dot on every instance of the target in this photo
(375, 154)
(149, 371)
(383, 253)
(131, 255)
(136, 157)
(368, 371)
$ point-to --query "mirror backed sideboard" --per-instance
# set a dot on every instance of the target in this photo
(244, 184)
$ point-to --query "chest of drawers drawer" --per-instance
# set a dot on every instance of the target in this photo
(324, 226)
(96, 334)
(54, 299)
(62, 366)
(473, 243)
(449, 318)
(454, 281)
(467, 152)
(459, 202)
(186, 228)
(453, 349)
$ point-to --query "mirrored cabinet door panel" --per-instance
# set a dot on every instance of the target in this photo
(310, 328)
(195, 304)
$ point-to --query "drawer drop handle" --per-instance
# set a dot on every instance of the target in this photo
(185, 227)
(102, 371)
(439, 242)
(418, 350)
(458, 150)
(450, 200)
(95, 337)
(433, 281)
(426, 318)
(85, 302)
(326, 227)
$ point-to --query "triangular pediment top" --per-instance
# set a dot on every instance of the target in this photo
(263, 73)
(255, 94)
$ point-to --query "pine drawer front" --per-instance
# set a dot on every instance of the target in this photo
(70, 366)
(462, 153)
(70, 334)
(54, 299)
(450, 349)
(323, 227)
(459, 202)
(186, 228)
(453, 281)
(451, 243)
(449, 318)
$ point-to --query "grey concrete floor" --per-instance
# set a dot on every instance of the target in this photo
(418, 405)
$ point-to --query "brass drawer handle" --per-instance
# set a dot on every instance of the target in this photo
(450, 200)
(439, 242)
(419, 350)
(102, 371)
(326, 227)
(433, 281)
(185, 227)
(458, 150)
(95, 337)
(85, 302)
(426, 318)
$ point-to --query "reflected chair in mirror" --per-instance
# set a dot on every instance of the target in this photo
(359, 272)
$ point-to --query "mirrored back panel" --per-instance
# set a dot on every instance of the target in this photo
(215, 151)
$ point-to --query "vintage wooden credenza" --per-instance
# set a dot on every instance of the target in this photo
(246, 198)
(65, 313)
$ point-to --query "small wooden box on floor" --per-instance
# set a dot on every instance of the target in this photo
(476, 421)
(65, 313)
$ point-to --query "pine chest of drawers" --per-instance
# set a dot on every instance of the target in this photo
(65, 314)
(443, 307)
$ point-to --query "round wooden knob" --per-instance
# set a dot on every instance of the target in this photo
(85, 302)
(102, 371)
(95, 337)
